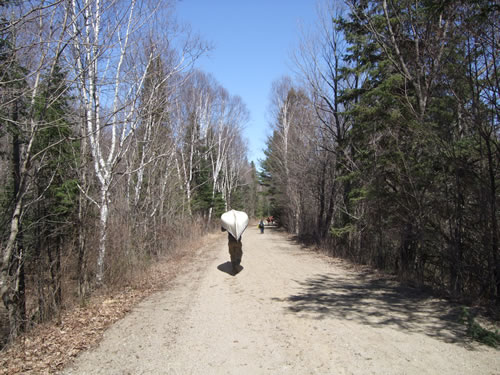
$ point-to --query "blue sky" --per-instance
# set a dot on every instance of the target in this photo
(253, 40)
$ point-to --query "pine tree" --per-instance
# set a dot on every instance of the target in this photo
(56, 192)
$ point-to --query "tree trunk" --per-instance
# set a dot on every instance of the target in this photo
(12, 266)
(494, 221)
(321, 211)
(54, 256)
(407, 251)
(83, 286)
(102, 234)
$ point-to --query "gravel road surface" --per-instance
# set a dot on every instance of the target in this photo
(288, 311)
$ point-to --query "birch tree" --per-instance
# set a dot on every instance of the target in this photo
(110, 74)
(192, 118)
(234, 170)
(230, 115)
(150, 163)
(284, 100)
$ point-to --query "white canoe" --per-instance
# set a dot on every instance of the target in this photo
(235, 222)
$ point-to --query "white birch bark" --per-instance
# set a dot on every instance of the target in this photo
(101, 48)
(232, 116)
(192, 120)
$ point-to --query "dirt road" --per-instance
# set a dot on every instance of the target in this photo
(288, 311)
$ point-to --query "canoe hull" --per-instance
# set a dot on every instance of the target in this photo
(235, 222)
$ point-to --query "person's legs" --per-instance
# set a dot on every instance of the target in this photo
(235, 253)
(232, 254)
(238, 253)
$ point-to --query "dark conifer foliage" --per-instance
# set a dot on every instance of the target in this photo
(404, 159)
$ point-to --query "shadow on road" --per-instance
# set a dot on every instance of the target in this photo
(376, 302)
(227, 267)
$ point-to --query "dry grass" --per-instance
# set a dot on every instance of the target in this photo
(50, 347)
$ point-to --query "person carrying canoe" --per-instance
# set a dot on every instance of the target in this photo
(235, 223)
(235, 249)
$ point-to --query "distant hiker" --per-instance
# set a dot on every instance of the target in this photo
(261, 226)
(235, 223)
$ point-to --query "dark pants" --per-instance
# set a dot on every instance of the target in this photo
(235, 252)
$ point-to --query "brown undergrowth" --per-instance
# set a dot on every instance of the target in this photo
(48, 347)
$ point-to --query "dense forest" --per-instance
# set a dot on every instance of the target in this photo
(113, 148)
(386, 149)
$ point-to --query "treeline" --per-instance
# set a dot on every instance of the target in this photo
(387, 150)
(113, 149)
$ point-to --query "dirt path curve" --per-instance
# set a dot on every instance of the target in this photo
(289, 311)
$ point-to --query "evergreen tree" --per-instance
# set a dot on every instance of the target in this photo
(56, 192)
(12, 136)
(406, 164)
(203, 184)
(414, 145)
